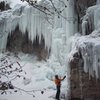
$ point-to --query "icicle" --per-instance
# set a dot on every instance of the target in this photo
(27, 19)
(84, 27)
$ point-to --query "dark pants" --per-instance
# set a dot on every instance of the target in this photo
(58, 92)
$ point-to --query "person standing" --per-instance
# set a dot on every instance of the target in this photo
(57, 81)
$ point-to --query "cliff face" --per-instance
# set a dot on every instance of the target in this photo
(85, 60)
(83, 86)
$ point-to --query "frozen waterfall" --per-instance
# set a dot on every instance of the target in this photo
(35, 22)
(56, 36)
(27, 18)
(64, 27)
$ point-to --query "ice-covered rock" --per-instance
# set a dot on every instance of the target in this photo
(91, 20)
(89, 48)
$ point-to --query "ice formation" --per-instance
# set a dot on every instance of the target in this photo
(64, 28)
(28, 19)
(91, 20)
(98, 2)
(36, 23)
(56, 36)
(90, 49)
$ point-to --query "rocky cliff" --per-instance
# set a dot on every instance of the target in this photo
(83, 86)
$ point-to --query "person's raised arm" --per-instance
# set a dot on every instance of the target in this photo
(63, 78)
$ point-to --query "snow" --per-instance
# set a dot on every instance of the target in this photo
(48, 95)
(36, 79)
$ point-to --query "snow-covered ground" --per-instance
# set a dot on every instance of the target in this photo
(38, 75)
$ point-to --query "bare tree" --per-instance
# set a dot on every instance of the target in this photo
(9, 73)
(7, 70)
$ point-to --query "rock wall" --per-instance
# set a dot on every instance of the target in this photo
(83, 86)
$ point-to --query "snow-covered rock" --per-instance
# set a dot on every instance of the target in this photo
(89, 47)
